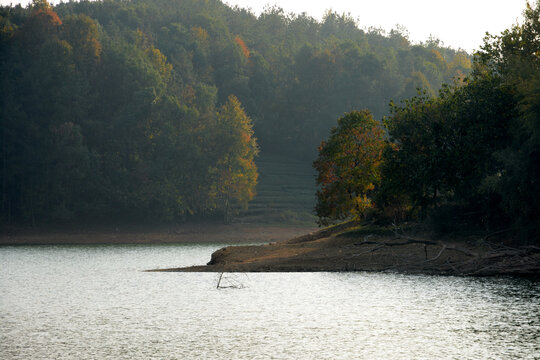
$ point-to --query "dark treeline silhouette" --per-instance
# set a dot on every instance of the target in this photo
(468, 158)
(135, 109)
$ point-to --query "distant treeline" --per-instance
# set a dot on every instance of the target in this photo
(468, 158)
(135, 109)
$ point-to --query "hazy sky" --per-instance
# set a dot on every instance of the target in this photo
(458, 23)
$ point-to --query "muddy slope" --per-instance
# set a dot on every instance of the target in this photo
(337, 249)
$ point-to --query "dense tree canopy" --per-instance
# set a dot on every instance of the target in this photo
(117, 108)
(293, 74)
(442, 147)
(470, 156)
(98, 126)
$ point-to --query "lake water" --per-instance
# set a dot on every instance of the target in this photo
(95, 302)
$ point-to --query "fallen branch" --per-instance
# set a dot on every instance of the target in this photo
(375, 248)
(438, 255)
(408, 242)
(462, 250)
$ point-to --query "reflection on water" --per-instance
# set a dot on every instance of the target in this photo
(84, 302)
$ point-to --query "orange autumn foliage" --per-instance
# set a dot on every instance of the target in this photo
(243, 46)
(41, 26)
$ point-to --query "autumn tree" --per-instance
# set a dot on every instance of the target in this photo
(42, 25)
(81, 32)
(348, 167)
(235, 171)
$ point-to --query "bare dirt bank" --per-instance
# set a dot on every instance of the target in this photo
(362, 250)
(189, 233)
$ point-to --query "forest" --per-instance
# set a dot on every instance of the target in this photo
(156, 110)
(467, 158)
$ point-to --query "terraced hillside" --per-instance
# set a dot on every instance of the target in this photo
(285, 193)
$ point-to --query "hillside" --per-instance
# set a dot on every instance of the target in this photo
(285, 193)
(118, 111)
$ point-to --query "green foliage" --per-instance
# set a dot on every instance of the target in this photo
(99, 127)
(470, 156)
(138, 93)
(514, 57)
(442, 147)
(281, 81)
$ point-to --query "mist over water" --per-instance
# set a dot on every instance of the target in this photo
(95, 302)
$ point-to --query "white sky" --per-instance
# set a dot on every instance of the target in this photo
(458, 23)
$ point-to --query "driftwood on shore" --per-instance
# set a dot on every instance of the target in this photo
(500, 260)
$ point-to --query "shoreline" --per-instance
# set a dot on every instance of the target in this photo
(343, 249)
(182, 234)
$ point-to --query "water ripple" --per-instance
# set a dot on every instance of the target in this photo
(94, 302)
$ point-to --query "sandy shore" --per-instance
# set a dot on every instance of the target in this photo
(189, 233)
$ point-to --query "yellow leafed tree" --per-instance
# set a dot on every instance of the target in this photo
(235, 171)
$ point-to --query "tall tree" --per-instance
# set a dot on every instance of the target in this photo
(235, 171)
